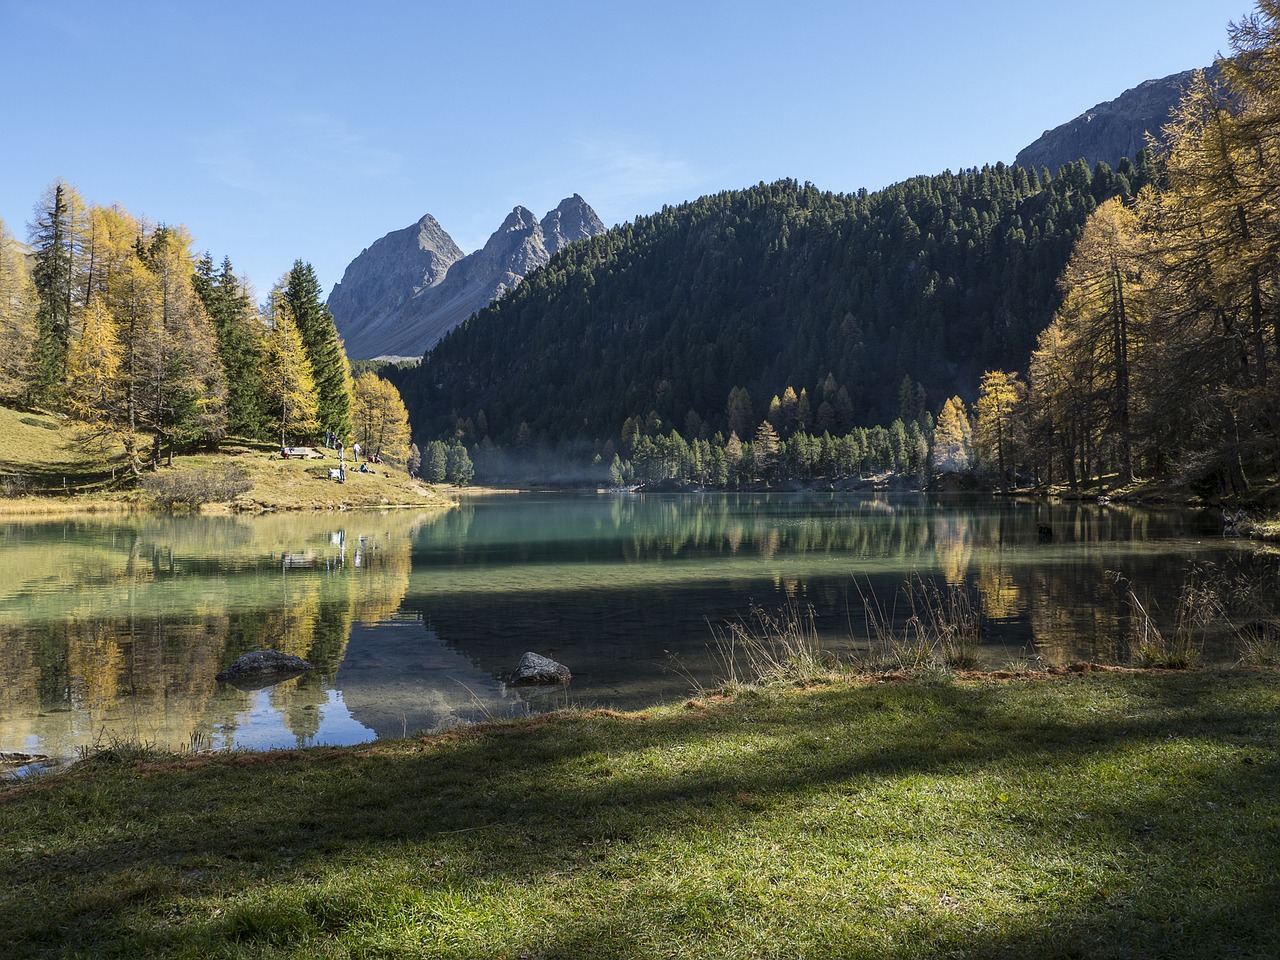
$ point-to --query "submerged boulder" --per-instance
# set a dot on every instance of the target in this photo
(261, 668)
(537, 669)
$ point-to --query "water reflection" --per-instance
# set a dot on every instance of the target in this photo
(115, 629)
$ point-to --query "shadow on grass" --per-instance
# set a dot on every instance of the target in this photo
(1105, 817)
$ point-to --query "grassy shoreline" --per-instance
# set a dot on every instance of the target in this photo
(45, 472)
(1102, 814)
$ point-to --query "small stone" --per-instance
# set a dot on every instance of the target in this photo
(537, 669)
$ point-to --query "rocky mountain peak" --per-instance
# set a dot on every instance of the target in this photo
(572, 220)
(393, 269)
(519, 219)
(407, 290)
(1111, 130)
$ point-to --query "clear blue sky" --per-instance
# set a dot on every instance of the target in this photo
(286, 129)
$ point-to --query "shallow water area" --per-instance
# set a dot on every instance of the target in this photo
(112, 629)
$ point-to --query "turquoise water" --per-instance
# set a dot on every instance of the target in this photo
(113, 629)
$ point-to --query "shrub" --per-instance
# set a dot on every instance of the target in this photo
(191, 488)
(14, 485)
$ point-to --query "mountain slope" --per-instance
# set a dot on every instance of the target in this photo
(378, 283)
(936, 279)
(1111, 130)
(398, 299)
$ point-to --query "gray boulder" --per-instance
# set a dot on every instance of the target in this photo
(262, 668)
(535, 669)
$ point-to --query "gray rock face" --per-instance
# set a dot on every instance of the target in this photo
(537, 669)
(1111, 130)
(261, 668)
(387, 308)
(571, 221)
(378, 283)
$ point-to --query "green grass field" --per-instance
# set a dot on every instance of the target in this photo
(1112, 814)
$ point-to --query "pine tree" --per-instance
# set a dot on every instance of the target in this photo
(437, 462)
(459, 469)
(239, 330)
(56, 235)
(329, 366)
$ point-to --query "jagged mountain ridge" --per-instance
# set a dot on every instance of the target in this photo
(410, 288)
(1111, 130)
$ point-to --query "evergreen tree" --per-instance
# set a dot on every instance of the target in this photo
(437, 462)
(459, 469)
(56, 235)
(329, 366)
(240, 331)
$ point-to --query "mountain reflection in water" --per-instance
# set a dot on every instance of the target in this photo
(113, 629)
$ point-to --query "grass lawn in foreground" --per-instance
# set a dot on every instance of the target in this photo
(1104, 815)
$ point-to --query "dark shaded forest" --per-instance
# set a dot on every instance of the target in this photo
(876, 305)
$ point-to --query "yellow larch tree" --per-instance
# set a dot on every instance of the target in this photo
(380, 419)
(287, 383)
(18, 330)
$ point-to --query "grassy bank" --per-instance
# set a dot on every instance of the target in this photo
(46, 471)
(1103, 815)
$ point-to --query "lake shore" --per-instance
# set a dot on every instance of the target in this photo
(1100, 814)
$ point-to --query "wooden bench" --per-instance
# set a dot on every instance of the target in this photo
(301, 453)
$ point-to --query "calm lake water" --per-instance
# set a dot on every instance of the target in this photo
(115, 628)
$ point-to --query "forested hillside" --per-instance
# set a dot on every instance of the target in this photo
(870, 306)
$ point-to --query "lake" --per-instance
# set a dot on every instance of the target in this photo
(113, 629)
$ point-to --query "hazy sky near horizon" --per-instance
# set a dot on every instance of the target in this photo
(281, 129)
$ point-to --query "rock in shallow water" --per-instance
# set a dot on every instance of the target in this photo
(261, 668)
(537, 669)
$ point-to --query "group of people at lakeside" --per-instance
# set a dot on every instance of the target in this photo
(339, 472)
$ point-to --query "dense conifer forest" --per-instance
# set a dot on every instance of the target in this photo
(781, 285)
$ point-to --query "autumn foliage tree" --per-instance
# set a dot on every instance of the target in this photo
(17, 319)
(380, 419)
(287, 382)
(952, 438)
(998, 427)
